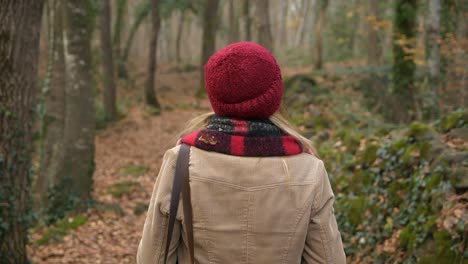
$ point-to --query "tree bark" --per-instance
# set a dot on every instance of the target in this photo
(301, 33)
(263, 24)
(143, 12)
(180, 29)
(434, 51)
(283, 39)
(372, 37)
(210, 21)
(318, 63)
(73, 189)
(109, 93)
(52, 147)
(150, 94)
(248, 20)
(233, 23)
(20, 22)
(119, 27)
(403, 67)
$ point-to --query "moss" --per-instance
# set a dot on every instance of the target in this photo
(459, 177)
(369, 155)
(409, 155)
(356, 210)
(407, 238)
(424, 149)
(140, 208)
(418, 130)
(350, 139)
(59, 230)
(454, 120)
(395, 189)
(123, 188)
(399, 145)
(433, 181)
(430, 223)
(133, 170)
(440, 251)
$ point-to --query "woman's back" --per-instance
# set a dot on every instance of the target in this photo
(251, 210)
(257, 194)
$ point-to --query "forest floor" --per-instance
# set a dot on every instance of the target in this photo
(128, 156)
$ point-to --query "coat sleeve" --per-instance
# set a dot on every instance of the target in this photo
(323, 242)
(153, 241)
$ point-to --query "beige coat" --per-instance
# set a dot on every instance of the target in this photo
(246, 210)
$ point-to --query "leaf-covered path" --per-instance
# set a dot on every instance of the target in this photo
(128, 156)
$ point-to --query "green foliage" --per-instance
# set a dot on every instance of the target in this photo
(390, 183)
(133, 170)
(140, 208)
(456, 119)
(61, 228)
(123, 188)
(397, 175)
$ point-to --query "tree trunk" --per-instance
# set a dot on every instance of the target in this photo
(372, 36)
(73, 189)
(301, 33)
(20, 22)
(318, 63)
(119, 27)
(210, 21)
(233, 23)
(110, 108)
(150, 94)
(404, 68)
(263, 24)
(434, 51)
(52, 147)
(180, 29)
(248, 20)
(143, 12)
(283, 39)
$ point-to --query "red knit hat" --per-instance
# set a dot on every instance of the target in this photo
(243, 80)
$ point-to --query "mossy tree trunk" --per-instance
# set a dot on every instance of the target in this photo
(210, 21)
(73, 189)
(263, 24)
(319, 24)
(150, 93)
(434, 52)
(403, 65)
(109, 95)
(20, 22)
(52, 148)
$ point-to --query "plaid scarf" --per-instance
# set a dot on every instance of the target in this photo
(258, 138)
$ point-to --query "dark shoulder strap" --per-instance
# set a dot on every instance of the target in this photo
(181, 184)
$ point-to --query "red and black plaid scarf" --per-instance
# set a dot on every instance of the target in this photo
(258, 138)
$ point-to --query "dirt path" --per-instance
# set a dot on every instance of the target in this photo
(110, 235)
(128, 156)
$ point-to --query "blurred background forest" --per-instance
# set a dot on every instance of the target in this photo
(378, 86)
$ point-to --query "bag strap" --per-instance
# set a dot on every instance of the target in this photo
(181, 184)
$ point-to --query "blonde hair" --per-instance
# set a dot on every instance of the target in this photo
(201, 121)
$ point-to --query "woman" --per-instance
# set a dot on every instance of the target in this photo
(259, 195)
